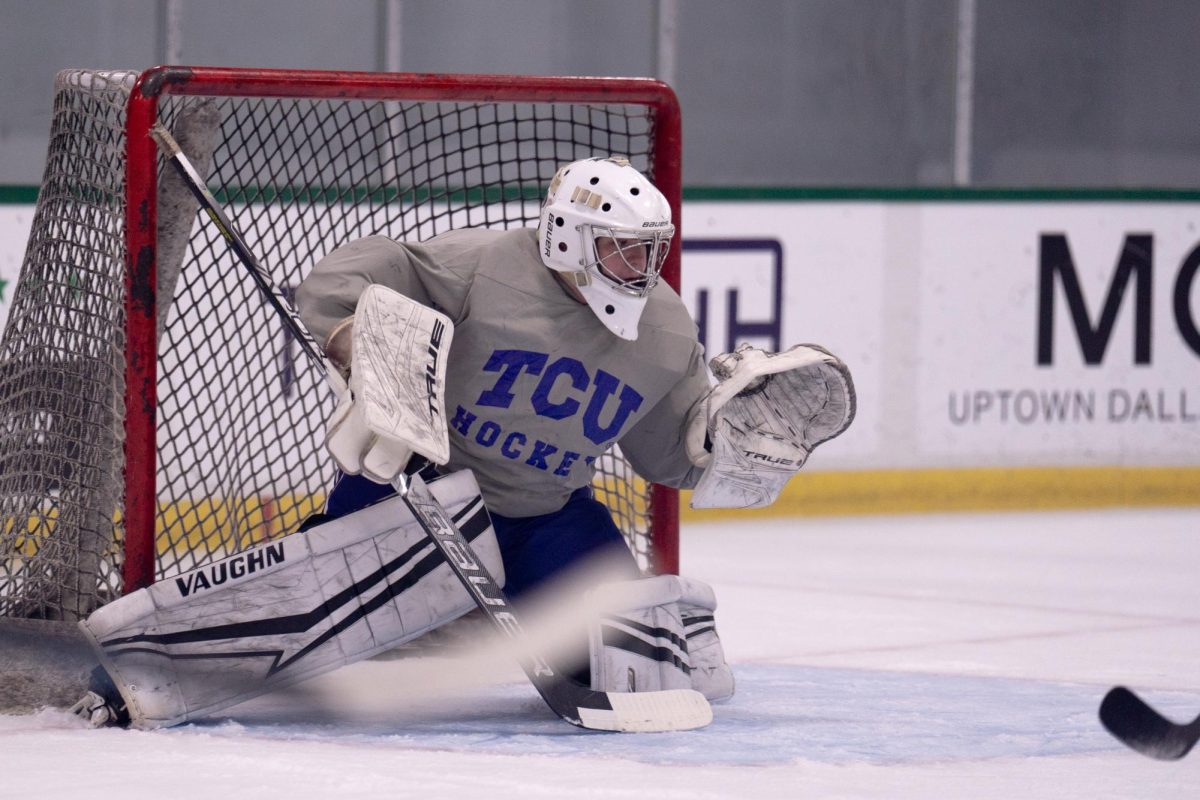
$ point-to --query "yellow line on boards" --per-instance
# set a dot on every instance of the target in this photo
(976, 489)
(212, 527)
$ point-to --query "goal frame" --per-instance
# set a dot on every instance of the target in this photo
(141, 187)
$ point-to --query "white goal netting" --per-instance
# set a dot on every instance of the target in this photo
(237, 413)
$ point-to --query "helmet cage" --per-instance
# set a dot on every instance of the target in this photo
(637, 254)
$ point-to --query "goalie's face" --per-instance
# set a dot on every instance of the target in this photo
(631, 263)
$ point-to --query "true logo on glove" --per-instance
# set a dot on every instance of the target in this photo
(435, 345)
(786, 462)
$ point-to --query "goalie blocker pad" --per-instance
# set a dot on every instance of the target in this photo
(395, 405)
(657, 634)
(287, 610)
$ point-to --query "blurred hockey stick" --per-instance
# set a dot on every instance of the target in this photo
(1130, 719)
(678, 709)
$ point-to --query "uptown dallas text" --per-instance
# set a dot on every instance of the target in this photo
(1042, 406)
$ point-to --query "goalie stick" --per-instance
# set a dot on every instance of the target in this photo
(678, 709)
(1130, 719)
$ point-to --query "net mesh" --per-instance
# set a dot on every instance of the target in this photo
(241, 411)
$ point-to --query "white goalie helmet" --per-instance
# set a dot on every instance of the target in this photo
(607, 229)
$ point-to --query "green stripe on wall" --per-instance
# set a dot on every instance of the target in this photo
(18, 195)
(27, 195)
(983, 489)
(935, 194)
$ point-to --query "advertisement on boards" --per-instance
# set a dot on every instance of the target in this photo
(980, 334)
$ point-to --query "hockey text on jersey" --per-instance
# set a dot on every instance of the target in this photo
(566, 390)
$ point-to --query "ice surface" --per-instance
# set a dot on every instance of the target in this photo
(899, 657)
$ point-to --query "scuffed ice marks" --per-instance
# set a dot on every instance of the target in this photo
(781, 715)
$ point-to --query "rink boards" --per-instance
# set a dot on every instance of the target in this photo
(1009, 350)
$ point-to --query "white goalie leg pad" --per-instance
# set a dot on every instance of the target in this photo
(711, 675)
(287, 610)
(640, 642)
(763, 420)
(395, 405)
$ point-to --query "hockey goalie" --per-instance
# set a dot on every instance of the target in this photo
(501, 364)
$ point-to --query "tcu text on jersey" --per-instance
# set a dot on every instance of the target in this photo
(566, 390)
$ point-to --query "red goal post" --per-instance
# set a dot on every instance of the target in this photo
(141, 191)
(304, 160)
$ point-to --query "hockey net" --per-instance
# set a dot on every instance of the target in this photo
(154, 414)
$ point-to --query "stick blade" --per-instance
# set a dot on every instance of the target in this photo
(1132, 721)
(647, 712)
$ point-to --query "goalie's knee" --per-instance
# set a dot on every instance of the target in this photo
(656, 634)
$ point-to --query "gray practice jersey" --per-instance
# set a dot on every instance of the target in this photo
(536, 387)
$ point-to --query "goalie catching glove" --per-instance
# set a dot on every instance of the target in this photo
(762, 420)
(394, 405)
